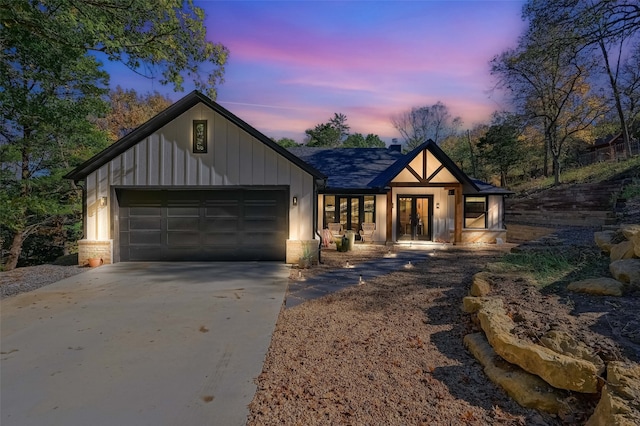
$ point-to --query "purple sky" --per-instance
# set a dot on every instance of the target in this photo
(295, 63)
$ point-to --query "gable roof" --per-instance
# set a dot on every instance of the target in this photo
(349, 168)
(168, 115)
(388, 175)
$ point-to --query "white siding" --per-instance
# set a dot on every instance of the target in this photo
(233, 158)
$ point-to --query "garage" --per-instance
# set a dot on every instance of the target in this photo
(195, 225)
(196, 183)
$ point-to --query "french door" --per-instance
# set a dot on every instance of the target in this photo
(415, 217)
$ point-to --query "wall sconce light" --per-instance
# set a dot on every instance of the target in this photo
(437, 205)
(103, 201)
(295, 201)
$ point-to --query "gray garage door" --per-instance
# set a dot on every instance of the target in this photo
(243, 224)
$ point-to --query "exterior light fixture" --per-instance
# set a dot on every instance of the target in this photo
(103, 201)
(295, 201)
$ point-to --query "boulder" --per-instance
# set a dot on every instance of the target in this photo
(604, 240)
(471, 304)
(636, 245)
(623, 250)
(481, 285)
(525, 388)
(602, 286)
(630, 230)
(626, 270)
(620, 401)
(563, 343)
(560, 371)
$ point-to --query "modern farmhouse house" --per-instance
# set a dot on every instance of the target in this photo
(198, 183)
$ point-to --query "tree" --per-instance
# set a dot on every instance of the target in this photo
(48, 91)
(165, 39)
(128, 110)
(419, 124)
(548, 82)
(330, 134)
(286, 142)
(357, 140)
(52, 91)
(500, 146)
(603, 27)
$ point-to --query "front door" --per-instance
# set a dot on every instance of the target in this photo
(415, 213)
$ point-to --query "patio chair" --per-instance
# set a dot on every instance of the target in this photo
(367, 231)
(336, 229)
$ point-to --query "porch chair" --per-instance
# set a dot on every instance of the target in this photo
(336, 229)
(367, 231)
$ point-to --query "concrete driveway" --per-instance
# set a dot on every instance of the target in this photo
(139, 344)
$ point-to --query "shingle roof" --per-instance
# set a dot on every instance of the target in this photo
(372, 169)
(349, 168)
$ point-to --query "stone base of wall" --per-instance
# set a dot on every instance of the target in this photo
(295, 249)
(483, 236)
(92, 248)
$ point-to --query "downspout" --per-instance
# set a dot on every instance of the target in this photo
(315, 219)
(84, 208)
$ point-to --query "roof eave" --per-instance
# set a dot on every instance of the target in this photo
(166, 116)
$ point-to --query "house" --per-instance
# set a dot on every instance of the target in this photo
(413, 197)
(609, 148)
(198, 183)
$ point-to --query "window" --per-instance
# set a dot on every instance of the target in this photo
(349, 210)
(475, 212)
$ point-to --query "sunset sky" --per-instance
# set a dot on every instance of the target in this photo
(293, 64)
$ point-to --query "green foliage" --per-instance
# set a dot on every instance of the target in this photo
(632, 190)
(500, 146)
(128, 110)
(597, 172)
(287, 143)
(357, 140)
(330, 134)
(150, 37)
(546, 267)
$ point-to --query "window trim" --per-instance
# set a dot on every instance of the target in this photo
(336, 216)
(486, 211)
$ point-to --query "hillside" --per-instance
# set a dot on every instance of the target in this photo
(595, 195)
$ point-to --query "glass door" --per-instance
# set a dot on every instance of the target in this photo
(415, 213)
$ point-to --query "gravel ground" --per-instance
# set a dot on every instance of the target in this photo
(21, 280)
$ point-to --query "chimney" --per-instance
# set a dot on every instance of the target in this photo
(395, 146)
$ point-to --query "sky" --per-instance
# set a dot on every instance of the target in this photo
(293, 64)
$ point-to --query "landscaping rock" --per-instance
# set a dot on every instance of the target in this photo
(626, 270)
(565, 344)
(472, 304)
(604, 240)
(558, 370)
(620, 401)
(525, 388)
(636, 244)
(630, 230)
(602, 286)
(623, 250)
(481, 285)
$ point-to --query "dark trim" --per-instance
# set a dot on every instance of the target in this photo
(438, 170)
(413, 198)
(363, 191)
(421, 185)
(200, 148)
(168, 115)
(486, 210)
(415, 174)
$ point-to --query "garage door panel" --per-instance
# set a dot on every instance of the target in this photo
(145, 237)
(178, 239)
(144, 211)
(140, 223)
(203, 224)
(183, 224)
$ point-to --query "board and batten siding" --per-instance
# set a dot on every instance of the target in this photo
(165, 159)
